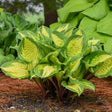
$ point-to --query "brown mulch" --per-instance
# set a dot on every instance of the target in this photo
(24, 96)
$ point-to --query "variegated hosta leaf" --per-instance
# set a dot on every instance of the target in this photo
(46, 70)
(54, 58)
(45, 48)
(28, 51)
(78, 32)
(51, 58)
(23, 34)
(69, 32)
(15, 69)
(74, 86)
(73, 65)
(59, 76)
(93, 42)
(92, 46)
(58, 39)
(62, 28)
(34, 76)
(88, 85)
(95, 58)
(103, 69)
(79, 73)
(44, 33)
(32, 65)
(75, 47)
(65, 29)
(87, 51)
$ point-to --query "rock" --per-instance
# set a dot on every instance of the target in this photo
(56, 108)
(77, 110)
(12, 107)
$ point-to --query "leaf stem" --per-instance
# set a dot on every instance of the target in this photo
(62, 90)
(69, 94)
(43, 93)
(55, 87)
(43, 88)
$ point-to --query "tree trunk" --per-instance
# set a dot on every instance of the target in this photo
(50, 12)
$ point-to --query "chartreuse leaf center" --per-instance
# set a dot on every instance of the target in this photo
(15, 69)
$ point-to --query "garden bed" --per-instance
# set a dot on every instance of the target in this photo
(24, 96)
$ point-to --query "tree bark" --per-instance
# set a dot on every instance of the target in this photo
(50, 12)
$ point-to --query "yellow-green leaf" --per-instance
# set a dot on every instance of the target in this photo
(57, 40)
(15, 69)
(63, 27)
(78, 32)
(79, 73)
(45, 70)
(76, 87)
(24, 34)
(29, 51)
(45, 32)
(59, 76)
(51, 57)
(69, 32)
(88, 85)
(93, 42)
(73, 65)
(96, 57)
(103, 69)
(75, 47)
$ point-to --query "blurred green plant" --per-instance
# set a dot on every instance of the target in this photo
(34, 18)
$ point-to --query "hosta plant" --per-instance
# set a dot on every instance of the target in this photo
(10, 25)
(94, 17)
(60, 61)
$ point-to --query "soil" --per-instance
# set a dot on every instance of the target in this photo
(24, 96)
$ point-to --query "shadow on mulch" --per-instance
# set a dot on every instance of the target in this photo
(24, 96)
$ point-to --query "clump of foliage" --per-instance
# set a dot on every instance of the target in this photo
(94, 17)
(10, 25)
(61, 61)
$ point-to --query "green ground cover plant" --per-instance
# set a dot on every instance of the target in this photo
(61, 61)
